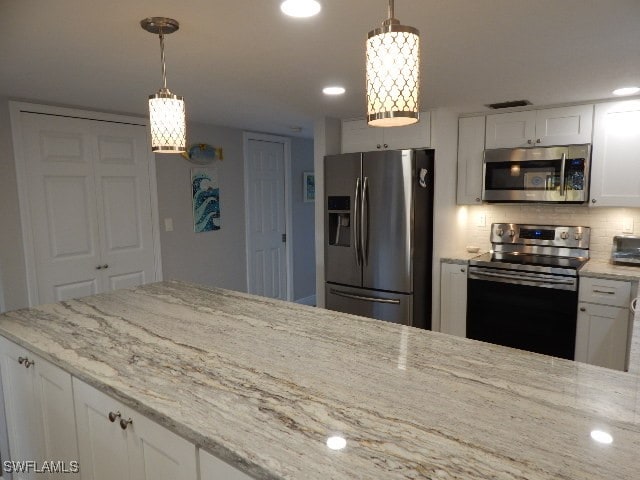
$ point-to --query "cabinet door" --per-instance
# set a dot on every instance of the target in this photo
(508, 130)
(55, 413)
(156, 453)
(601, 335)
(21, 406)
(615, 168)
(212, 468)
(453, 299)
(564, 125)
(102, 444)
(470, 156)
(358, 136)
(417, 135)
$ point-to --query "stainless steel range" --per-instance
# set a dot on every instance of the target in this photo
(524, 293)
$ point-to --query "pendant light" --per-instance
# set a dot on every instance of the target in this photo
(393, 74)
(166, 110)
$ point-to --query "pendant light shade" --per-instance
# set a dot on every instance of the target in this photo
(166, 110)
(393, 74)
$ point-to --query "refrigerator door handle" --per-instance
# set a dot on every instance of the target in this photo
(356, 224)
(340, 293)
(364, 222)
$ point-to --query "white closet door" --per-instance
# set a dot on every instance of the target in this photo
(124, 205)
(58, 155)
(89, 194)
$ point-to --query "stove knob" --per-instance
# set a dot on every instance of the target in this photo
(564, 235)
(512, 233)
(499, 232)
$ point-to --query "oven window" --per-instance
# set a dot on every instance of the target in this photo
(541, 320)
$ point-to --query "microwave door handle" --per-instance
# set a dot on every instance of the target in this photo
(563, 165)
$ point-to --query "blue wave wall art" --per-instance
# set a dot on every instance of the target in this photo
(206, 201)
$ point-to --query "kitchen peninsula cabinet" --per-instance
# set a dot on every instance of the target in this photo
(38, 401)
(550, 126)
(615, 164)
(117, 442)
(358, 136)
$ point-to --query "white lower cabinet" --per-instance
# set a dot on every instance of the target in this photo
(39, 411)
(119, 443)
(602, 333)
(453, 299)
(211, 468)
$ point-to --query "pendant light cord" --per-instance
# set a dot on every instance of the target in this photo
(164, 67)
(391, 9)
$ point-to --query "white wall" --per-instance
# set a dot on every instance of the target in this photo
(13, 284)
(218, 258)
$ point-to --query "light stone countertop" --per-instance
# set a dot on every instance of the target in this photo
(600, 269)
(262, 383)
(461, 258)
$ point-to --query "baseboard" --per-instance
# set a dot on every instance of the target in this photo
(310, 300)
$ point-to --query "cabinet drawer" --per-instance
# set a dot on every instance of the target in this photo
(615, 293)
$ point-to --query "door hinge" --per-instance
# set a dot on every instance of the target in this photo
(284, 238)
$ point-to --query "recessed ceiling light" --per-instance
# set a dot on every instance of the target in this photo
(333, 90)
(300, 8)
(626, 91)
(601, 437)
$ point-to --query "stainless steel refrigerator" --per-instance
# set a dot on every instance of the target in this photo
(378, 234)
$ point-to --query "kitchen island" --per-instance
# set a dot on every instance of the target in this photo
(263, 383)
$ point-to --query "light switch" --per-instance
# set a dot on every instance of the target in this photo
(627, 225)
(168, 224)
(482, 220)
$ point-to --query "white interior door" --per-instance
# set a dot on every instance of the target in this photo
(266, 222)
(89, 202)
(58, 155)
(124, 205)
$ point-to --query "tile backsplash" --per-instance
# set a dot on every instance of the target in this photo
(605, 223)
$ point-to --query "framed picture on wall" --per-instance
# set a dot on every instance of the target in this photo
(308, 186)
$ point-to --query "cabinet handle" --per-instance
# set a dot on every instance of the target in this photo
(378, 146)
(538, 141)
(21, 360)
(634, 304)
(604, 291)
(28, 363)
(477, 199)
(100, 267)
(386, 145)
(529, 142)
(582, 309)
(125, 423)
(113, 416)
(593, 200)
(462, 270)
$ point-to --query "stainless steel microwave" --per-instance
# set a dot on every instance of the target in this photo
(540, 175)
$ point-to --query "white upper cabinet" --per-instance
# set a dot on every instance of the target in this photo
(552, 126)
(358, 136)
(615, 168)
(470, 155)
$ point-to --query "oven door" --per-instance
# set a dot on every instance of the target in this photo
(541, 320)
(547, 174)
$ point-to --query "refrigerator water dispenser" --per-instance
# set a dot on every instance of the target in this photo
(339, 221)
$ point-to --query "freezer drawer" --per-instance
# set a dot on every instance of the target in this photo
(390, 307)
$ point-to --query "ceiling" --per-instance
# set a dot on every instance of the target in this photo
(241, 63)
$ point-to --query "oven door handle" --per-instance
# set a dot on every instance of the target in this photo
(522, 277)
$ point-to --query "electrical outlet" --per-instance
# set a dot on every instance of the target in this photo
(482, 220)
(168, 224)
(627, 225)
